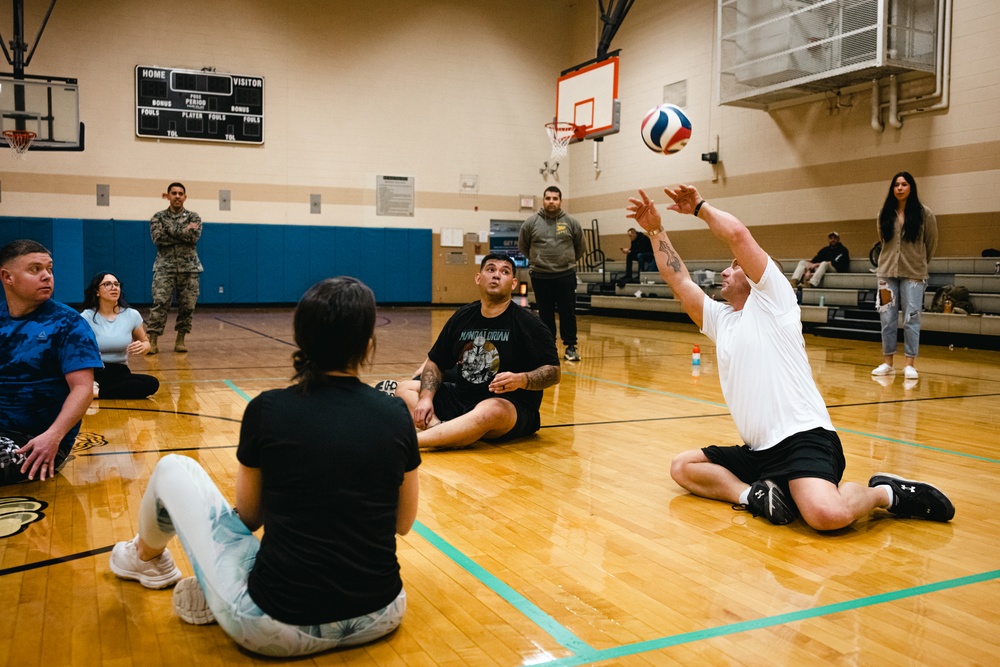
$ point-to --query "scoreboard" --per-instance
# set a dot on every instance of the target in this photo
(198, 105)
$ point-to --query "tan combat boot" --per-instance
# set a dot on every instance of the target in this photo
(179, 343)
(153, 349)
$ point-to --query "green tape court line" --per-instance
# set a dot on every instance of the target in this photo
(839, 430)
(917, 444)
(767, 622)
(515, 599)
(242, 394)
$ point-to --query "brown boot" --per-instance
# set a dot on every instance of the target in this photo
(179, 343)
(153, 349)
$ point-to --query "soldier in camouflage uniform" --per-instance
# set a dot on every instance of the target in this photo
(175, 231)
(47, 359)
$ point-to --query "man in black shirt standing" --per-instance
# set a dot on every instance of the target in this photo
(504, 356)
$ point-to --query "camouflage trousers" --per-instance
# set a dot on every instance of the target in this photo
(165, 283)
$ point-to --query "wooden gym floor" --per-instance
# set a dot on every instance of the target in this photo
(569, 548)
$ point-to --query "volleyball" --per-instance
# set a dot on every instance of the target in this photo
(666, 129)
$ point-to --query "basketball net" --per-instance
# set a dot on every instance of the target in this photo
(560, 135)
(19, 141)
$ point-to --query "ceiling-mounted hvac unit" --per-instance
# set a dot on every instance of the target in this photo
(773, 51)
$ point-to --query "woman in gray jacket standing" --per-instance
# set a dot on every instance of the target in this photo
(908, 232)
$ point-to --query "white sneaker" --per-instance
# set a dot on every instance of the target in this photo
(911, 373)
(159, 572)
(190, 603)
(884, 369)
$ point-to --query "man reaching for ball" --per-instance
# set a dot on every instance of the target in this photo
(792, 456)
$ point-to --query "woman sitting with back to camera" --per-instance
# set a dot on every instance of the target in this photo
(119, 332)
(329, 467)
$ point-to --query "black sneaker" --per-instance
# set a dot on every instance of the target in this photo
(387, 387)
(916, 499)
(572, 354)
(770, 501)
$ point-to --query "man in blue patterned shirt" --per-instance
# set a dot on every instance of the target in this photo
(47, 359)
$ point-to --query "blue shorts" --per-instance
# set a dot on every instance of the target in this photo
(814, 453)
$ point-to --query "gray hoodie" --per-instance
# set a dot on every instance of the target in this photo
(552, 244)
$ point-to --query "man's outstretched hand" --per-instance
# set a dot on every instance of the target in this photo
(642, 209)
(685, 198)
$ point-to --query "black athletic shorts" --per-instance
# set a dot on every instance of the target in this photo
(814, 453)
(448, 405)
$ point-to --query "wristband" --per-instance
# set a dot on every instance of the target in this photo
(654, 232)
(698, 207)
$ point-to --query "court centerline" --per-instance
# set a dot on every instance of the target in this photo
(648, 390)
(875, 436)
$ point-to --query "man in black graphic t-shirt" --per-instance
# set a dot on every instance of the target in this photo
(504, 357)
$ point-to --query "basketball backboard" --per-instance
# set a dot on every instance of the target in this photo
(587, 96)
(47, 106)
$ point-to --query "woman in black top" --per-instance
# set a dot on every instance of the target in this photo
(329, 467)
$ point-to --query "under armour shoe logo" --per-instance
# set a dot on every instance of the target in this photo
(911, 489)
(759, 494)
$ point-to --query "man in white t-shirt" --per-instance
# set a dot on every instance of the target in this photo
(792, 457)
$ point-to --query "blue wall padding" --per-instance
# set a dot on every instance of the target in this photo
(66, 238)
(252, 263)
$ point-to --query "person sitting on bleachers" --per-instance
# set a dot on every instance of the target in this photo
(640, 250)
(834, 254)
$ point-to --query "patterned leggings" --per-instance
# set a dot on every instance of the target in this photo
(182, 499)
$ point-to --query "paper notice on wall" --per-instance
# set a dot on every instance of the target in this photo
(394, 195)
(452, 237)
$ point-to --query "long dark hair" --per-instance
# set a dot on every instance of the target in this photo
(334, 322)
(913, 214)
(90, 298)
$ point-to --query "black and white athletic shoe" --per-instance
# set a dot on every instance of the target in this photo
(915, 499)
(387, 387)
(770, 501)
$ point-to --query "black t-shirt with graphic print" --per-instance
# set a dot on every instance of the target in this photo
(480, 347)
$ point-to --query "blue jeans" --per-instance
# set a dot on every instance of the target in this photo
(645, 259)
(909, 293)
(181, 498)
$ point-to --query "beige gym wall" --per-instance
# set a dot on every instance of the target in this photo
(437, 89)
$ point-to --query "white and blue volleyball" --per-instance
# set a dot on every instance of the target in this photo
(666, 129)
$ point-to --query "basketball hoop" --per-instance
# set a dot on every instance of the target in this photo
(560, 135)
(19, 141)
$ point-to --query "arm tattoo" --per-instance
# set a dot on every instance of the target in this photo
(673, 259)
(429, 381)
(542, 377)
